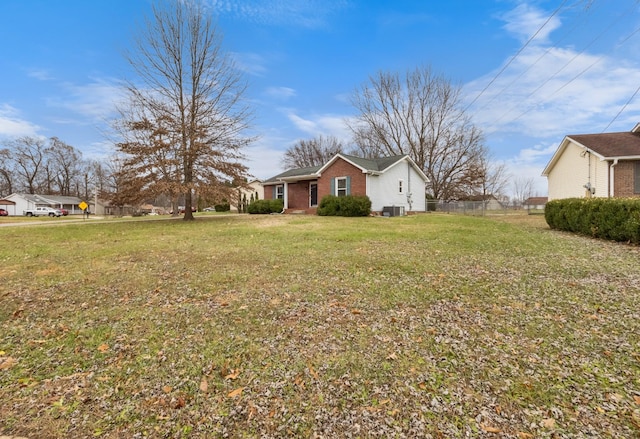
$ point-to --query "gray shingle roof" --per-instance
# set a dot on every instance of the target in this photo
(610, 144)
(374, 165)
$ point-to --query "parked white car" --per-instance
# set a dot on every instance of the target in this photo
(42, 211)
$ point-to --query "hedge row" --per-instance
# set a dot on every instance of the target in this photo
(616, 219)
(350, 205)
(266, 206)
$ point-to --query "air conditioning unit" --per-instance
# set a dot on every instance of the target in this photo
(393, 211)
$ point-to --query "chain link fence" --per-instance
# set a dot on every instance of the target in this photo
(479, 208)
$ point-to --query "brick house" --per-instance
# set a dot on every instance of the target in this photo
(389, 181)
(596, 165)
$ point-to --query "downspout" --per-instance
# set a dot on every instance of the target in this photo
(612, 179)
(409, 199)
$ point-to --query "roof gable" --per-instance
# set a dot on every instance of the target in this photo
(607, 146)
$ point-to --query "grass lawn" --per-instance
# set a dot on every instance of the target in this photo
(437, 326)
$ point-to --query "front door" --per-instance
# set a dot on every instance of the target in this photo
(313, 194)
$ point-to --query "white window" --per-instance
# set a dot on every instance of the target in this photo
(341, 186)
(401, 186)
(280, 192)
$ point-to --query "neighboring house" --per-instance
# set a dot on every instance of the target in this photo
(389, 181)
(598, 165)
(24, 202)
(255, 188)
(9, 206)
(535, 203)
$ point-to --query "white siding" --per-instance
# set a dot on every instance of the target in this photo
(573, 170)
(383, 189)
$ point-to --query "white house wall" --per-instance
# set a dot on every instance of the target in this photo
(383, 189)
(574, 170)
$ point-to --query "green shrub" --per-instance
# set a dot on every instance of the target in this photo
(350, 205)
(222, 207)
(265, 206)
(616, 219)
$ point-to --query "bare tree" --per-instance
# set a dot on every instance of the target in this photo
(6, 172)
(493, 178)
(312, 152)
(191, 89)
(29, 156)
(522, 189)
(64, 162)
(420, 115)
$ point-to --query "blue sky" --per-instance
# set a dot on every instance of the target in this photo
(531, 71)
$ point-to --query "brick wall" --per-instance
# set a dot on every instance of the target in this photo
(342, 168)
(623, 179)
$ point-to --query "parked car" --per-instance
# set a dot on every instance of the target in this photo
(43, 211)
(209, 209)
(64, 212)
(3, 212)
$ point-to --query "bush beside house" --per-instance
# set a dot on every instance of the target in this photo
(266, 206)
(350, 205)
(616, 219)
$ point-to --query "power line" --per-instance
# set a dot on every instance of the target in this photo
(546, 52)
(516, 55)
(624, 14)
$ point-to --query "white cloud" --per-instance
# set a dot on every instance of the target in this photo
(525, 20)
(555, 91)
(264, 157)
(282, 93)
(40, 74)
(308, 13)
(326, 124)
(95, 101)
(251, 63)
(12, 125)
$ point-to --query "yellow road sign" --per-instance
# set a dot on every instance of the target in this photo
(83, 205)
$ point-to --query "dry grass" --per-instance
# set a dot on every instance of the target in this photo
(280, 326)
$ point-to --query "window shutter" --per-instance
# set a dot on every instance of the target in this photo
(275, 193)
(348, 185)
(636, 179)
(333, 186)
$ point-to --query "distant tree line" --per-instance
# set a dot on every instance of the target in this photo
(35, 165)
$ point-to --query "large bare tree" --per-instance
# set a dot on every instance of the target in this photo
(184, 121)
(312, 152)
(30, 159)
(6, 172)
(419, 114)
(64, 165)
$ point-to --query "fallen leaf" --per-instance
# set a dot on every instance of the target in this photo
(179, 403)
(636, 398)
(233, 375)
(392, 356)
(489, 429)
(103, 347)
(312, 371)
(523, 435)
(549, 423)
(7, 362)
(356, 311)
(204, 385)
(167, 389)
(236, 392)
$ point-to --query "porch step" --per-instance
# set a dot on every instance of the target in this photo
(298, 212)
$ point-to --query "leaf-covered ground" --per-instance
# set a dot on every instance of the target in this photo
(284, 326)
